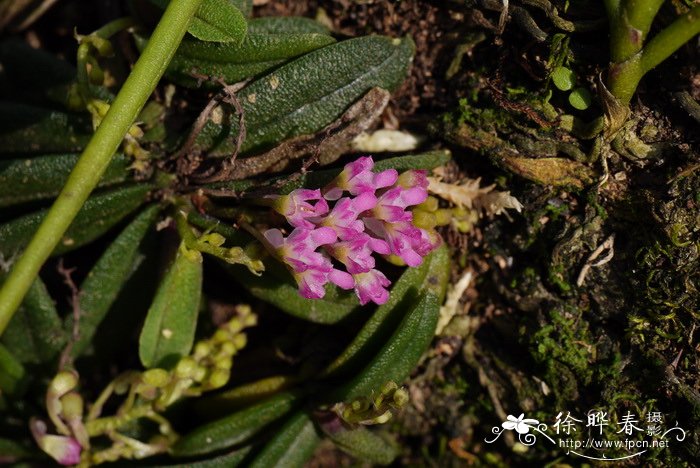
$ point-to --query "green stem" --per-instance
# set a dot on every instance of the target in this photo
(624, 77)
(630, 26)
(666, 42)
(96, 157)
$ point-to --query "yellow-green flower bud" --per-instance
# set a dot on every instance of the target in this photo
(218, 378)
(186, 368)
(157, 378)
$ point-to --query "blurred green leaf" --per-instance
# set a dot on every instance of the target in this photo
(97, 216)
(563, 78)
(580, 98)
(23, 180)
(102, 285)
(278, 288)
(235, 428)
(291, 446)
(415, 281)
(11, 372)
(364, 444)
(168, 332)
(35, 334)
(399, 355)
(216, 21)
(26, 129)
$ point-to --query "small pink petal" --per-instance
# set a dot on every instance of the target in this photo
(341, 279)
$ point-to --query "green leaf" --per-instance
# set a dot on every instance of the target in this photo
(216, 21)
(35, 334)
(12, 451)
(11, 372)
(432, 275)
(580, 98)
(97, 216)
(399, 355)
(285, 25)
(23, 180)
(230, 460)
(291, 446)
(278, 288)
(364, 444)
(26, 129)
(101, 286)
(318, 179)
(255, 48)
(235, 428)
(563, 78)
(31, 74)
(257, 54)
(309, 93)
(243, 395)
(168, 332)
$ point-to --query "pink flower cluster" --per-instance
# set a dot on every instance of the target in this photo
(373, 218)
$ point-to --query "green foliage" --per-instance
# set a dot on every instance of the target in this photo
(108, 276)
(216, 21)
(305, 81)
(41, 177)
(292, 445)
(308, 94)
(235, 428)
(35, 334)
(99, 214)
(168, 332)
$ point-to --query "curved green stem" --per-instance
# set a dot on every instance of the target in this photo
(624, 77)
(94, 160)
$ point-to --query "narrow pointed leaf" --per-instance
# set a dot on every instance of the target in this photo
(286, 25)
(11, 372)
(235, 428)
(41, 177)
(107, 277)
(168, 332)
(364, 444)
(432, 275)
(216, 21)
(399, 355)
(35, 334)
(97, 216)
(277, 287)
(309, 93)
(291, 446)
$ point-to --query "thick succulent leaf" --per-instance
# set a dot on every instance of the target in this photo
(23, 180)
(26, 129)
(399, 355)
(101, 286)
(309, 93)
(235, 428)
(216, 21)
(99, 214)
(364, 444)
(277, 287)
(431, 276)
(35, 334)
(286, 25)
(168, 332)
(11, 372)
(291, 446)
